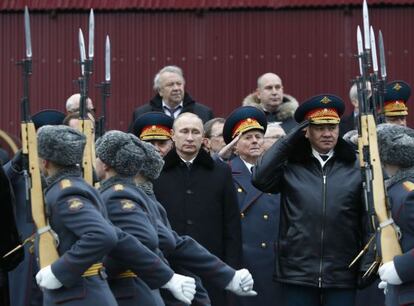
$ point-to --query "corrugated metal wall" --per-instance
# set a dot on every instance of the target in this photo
(222, 54)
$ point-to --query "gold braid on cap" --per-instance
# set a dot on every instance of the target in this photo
(155, 132)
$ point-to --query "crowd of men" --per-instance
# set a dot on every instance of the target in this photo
(263, 207)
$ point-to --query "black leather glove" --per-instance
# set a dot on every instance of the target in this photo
(17, 161)
(287, 143)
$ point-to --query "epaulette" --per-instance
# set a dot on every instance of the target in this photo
(65, 183)
(118, 187)
(408, 185)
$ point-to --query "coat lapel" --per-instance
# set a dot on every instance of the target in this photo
(242, 178)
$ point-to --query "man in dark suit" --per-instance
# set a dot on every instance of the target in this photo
(199, 197)
(171, 98)
(350, 121)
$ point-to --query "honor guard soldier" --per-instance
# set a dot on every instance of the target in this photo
(396, 148)
(259, 211)
(23, 288)
(322, 213)
(155, 128)
(76, 213)
(396, 97)
(119, 158)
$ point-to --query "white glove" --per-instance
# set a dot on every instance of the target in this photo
(182, 287)
(47, 280)
(388, 273)
(242, 283)
(383, 286)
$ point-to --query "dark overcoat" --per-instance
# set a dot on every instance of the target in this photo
(189, 106)
(259, 213)
(201, 202)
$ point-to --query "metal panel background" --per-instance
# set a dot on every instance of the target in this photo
(181, 4)
(222, 54)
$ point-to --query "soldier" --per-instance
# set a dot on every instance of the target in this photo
(396, 148)
(321, 223)
(396, 97)
(76, 214)
(155, 127)
(23, 288)
(118, 160)
(259, 211)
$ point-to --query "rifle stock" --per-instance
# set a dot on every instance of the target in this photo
(88, 160)
(46, 241)
(390, 246)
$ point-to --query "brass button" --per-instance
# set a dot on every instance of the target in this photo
(263, 245)
(242, 215)
(265, 216)
(239, 190)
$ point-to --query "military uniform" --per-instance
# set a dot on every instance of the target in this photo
(128, 212)
(23, 288)
(85, 237)
(401, 196)
(259, 213)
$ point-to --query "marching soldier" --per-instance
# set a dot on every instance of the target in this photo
(259, 211)
(118, 160)
(396, 148)
(76, 214)
(23, 288)
(396, 97)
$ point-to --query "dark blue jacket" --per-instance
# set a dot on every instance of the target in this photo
(259, 213)
(401, 195)
(23, 289)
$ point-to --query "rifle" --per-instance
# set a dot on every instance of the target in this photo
(46, 240)
(105, 88)
(373, 182)
(85, 122)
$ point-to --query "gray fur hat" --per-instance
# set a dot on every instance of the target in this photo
(396, 145)
(60, 144)
(152, 163)
(120, 151)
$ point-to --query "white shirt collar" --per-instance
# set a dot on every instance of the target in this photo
(319, 158)
(248, 165)
(188, 161)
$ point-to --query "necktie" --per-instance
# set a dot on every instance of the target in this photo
(324, 157)
(172, 110)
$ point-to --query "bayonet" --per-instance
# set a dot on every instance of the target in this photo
(366, 25)
(107, 59)
(382, 56)
(373, 51)
(360, 49)
(27, 33)
(82, 52)
(91, 34)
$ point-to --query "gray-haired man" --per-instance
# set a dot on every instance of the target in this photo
(171, 98)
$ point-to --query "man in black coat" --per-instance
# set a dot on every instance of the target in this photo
(199, 196)
(321, 223)
(171, 97)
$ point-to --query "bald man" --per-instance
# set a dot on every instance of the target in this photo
(270, 97)
(199, 196)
